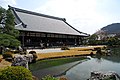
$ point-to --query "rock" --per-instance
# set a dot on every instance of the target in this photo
(97, 75)
(20, 60)
(63, 78)
(29, 57)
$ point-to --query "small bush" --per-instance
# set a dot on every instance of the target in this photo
(15, 73)
(65, 48)
(7, 56)
(34, 57)
(91, 54)
(31, 52)
(49, 78)
(98, 50)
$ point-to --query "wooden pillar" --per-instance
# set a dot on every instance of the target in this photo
(75, 42)
(46, 40)
(81, 42)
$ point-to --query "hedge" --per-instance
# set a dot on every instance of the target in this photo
(15, 73)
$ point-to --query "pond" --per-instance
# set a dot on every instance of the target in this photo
(81, 70)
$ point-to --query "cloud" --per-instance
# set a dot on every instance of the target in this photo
(81, 14)
(5, 3)
(67, 8)
(85, 15)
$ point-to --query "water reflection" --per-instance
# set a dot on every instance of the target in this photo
(82, 71)
(97, 63)
(64, 73)
(98, 58)
(115, 55)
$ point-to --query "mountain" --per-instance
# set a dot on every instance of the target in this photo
(112, 28)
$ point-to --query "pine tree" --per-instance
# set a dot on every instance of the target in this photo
(8, 33)
(2, 10)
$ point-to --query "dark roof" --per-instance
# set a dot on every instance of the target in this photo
(32, 21)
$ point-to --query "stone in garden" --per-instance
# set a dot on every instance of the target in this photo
(98, 75)
(20, 60)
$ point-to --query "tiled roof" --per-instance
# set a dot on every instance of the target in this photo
(32, 21)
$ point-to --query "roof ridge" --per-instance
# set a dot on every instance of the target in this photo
(76, 29)
(35, 13)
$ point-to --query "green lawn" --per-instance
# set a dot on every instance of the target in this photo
(41, 64)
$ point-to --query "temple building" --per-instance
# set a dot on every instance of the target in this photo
(37, 29)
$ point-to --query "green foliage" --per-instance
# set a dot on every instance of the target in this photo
(110, 78)
(15, 43)
(15, 73)
(7, 19)
(92, 40)
(8, 40)
(49, 78)
(8, 33)
(2, 10)
(110, 41)
(113, 41)
(9, 24)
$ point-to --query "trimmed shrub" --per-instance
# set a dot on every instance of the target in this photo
(31, 52)
(34, 55)
(15, 73)
(49, 78)
(91, 54)
(7, 56)
(98, 50)
(65, 48)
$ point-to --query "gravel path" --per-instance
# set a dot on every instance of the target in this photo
(46, 50)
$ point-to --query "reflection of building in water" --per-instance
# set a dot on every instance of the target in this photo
(39, 28)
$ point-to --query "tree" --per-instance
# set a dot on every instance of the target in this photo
(8, 33)
(8, 40)
(113, 41)
(93, 39)
(9, 24)
(7, 21)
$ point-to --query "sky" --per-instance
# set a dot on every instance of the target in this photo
(87, 16)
